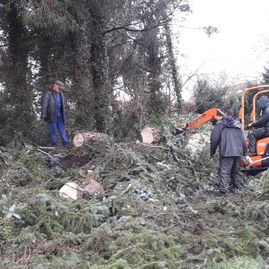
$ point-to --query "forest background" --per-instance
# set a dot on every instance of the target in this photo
(116, 58)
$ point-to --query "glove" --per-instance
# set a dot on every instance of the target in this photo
(214, 122)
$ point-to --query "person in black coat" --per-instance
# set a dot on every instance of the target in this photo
(229, 137)
(262, 124)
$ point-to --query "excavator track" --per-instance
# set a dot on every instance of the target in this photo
(253, 171)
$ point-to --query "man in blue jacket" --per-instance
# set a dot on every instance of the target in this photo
(262, 124)
(53, 112)
(228, 136)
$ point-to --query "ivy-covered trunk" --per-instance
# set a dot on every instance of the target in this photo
(172, 62)
(98, 51)
(46, 71)
(153, 65)
(20, 95)
(81, 94)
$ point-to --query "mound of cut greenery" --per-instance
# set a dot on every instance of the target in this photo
(160, 210)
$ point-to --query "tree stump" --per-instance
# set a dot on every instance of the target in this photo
(150, 135)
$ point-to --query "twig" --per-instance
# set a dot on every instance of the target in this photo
(6, 163)
(52, 148)
(45, 153)
(128, 188)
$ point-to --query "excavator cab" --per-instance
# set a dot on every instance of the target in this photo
(260, 162)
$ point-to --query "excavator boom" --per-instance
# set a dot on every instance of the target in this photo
(212, 114)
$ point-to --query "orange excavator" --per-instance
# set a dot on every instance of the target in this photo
(250, 165)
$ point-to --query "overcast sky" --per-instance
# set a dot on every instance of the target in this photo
(240, 47)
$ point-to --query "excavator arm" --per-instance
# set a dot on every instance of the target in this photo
(212, 114)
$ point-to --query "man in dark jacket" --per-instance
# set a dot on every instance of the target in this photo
(262, 124)
(228, 136)
(53, 112)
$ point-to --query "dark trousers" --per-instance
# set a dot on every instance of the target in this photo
(58, 124)
(229, 173)
(253, 137)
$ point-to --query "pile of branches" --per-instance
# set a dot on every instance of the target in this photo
(160, 210)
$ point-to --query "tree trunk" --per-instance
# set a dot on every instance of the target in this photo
(99, 64)
(47, 72)
(153, 65)
(172, 62)
(82, 93)
(20, 92)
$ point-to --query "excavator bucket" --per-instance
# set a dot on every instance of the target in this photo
(180, 131)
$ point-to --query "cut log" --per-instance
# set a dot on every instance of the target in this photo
(71, 190)
(90, 187)
(83, 138)
(150, 135)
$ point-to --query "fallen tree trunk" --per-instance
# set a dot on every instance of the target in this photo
(85, 138)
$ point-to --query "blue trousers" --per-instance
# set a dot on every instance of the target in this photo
(58, 124)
